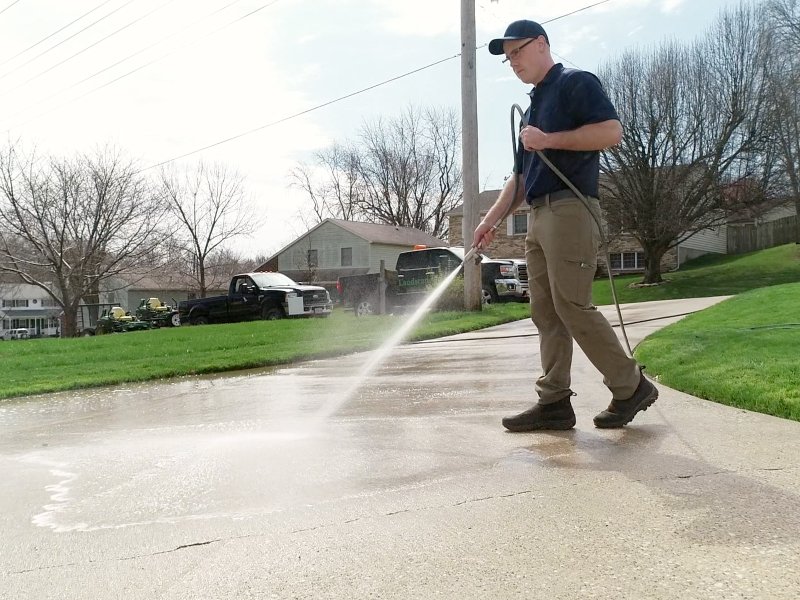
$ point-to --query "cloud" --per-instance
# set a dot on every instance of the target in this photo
(424, 18)
(670, 6)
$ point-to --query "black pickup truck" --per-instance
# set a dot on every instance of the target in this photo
(417, 270)
(258, 296)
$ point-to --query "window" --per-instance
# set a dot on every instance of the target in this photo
(347, 257)
(519, 226)
(48, 302)
(15, 303)
(312, 258)
(627, 261)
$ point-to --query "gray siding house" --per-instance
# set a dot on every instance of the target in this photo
(167, 287)
(336, 248)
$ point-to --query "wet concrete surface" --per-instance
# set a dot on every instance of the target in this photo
(232, 487)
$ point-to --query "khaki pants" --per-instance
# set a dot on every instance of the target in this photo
(561, 250)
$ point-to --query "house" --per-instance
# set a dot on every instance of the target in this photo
(27, 306)
(625, 252)
(336, 248)
(128, 291)
(509, 240)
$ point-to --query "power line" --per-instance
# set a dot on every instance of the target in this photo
(346, 96)
(9, 6)
(566, 60)
(65, 40)
(575, 12)
(119, 62)
(303, 112)
(21, 52)
(139, 68)
(90, 46)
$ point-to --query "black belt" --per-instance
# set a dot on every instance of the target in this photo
(545, 199)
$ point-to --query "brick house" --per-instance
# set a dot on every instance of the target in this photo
(625, 251)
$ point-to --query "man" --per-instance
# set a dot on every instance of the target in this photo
(570, 119)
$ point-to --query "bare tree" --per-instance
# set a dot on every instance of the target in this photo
(224, 264)
(784, 88)
(402, 171)
(693, 122)
(211, 207)
(72, 225)
(337, 191)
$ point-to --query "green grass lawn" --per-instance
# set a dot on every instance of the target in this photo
(743, 352)
(47, 365)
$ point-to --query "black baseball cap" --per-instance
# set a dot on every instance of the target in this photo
(518, 30)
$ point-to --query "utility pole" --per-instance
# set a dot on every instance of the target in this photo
(469, 151)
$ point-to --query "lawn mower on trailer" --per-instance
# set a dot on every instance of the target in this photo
(116, 320)
(158, 314)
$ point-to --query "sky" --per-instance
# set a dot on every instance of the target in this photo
(168, 81)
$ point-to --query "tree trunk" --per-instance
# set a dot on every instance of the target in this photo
(797, 219)
(202, 280)
(69, 322)
(652, 265)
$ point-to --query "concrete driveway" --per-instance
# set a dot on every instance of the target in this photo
(234, 487)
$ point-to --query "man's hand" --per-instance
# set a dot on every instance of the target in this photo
(533, 138)
(587, 138)
(484, 234)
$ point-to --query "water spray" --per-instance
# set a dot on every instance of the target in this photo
(378, 357)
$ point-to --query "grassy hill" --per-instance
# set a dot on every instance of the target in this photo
(711, 275)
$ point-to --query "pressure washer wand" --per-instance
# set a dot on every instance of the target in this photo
(475, 249)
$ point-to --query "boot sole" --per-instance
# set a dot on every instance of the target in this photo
(646, 403)
(546, 426)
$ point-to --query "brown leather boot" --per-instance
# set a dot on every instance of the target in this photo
(621, 412)
(555, 416)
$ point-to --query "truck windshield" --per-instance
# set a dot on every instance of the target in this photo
(265, 280)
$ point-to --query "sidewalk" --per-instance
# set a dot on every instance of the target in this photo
(413, 489)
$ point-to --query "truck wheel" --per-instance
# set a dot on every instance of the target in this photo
(363, 308)
(488, 296)
(272, 313)
(201, 320)
(174, 320)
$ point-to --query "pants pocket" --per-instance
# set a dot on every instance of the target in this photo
(576, 281)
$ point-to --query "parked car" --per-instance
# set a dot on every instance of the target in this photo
(16, 334)
(416, 270)
(258, 296)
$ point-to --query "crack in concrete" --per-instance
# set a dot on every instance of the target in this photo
(388, 514)
(722, 472)
(123, 558)
(181, 547)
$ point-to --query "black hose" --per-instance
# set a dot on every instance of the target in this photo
(577, 192)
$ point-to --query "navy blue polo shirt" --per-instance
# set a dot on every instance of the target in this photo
(565, 99)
